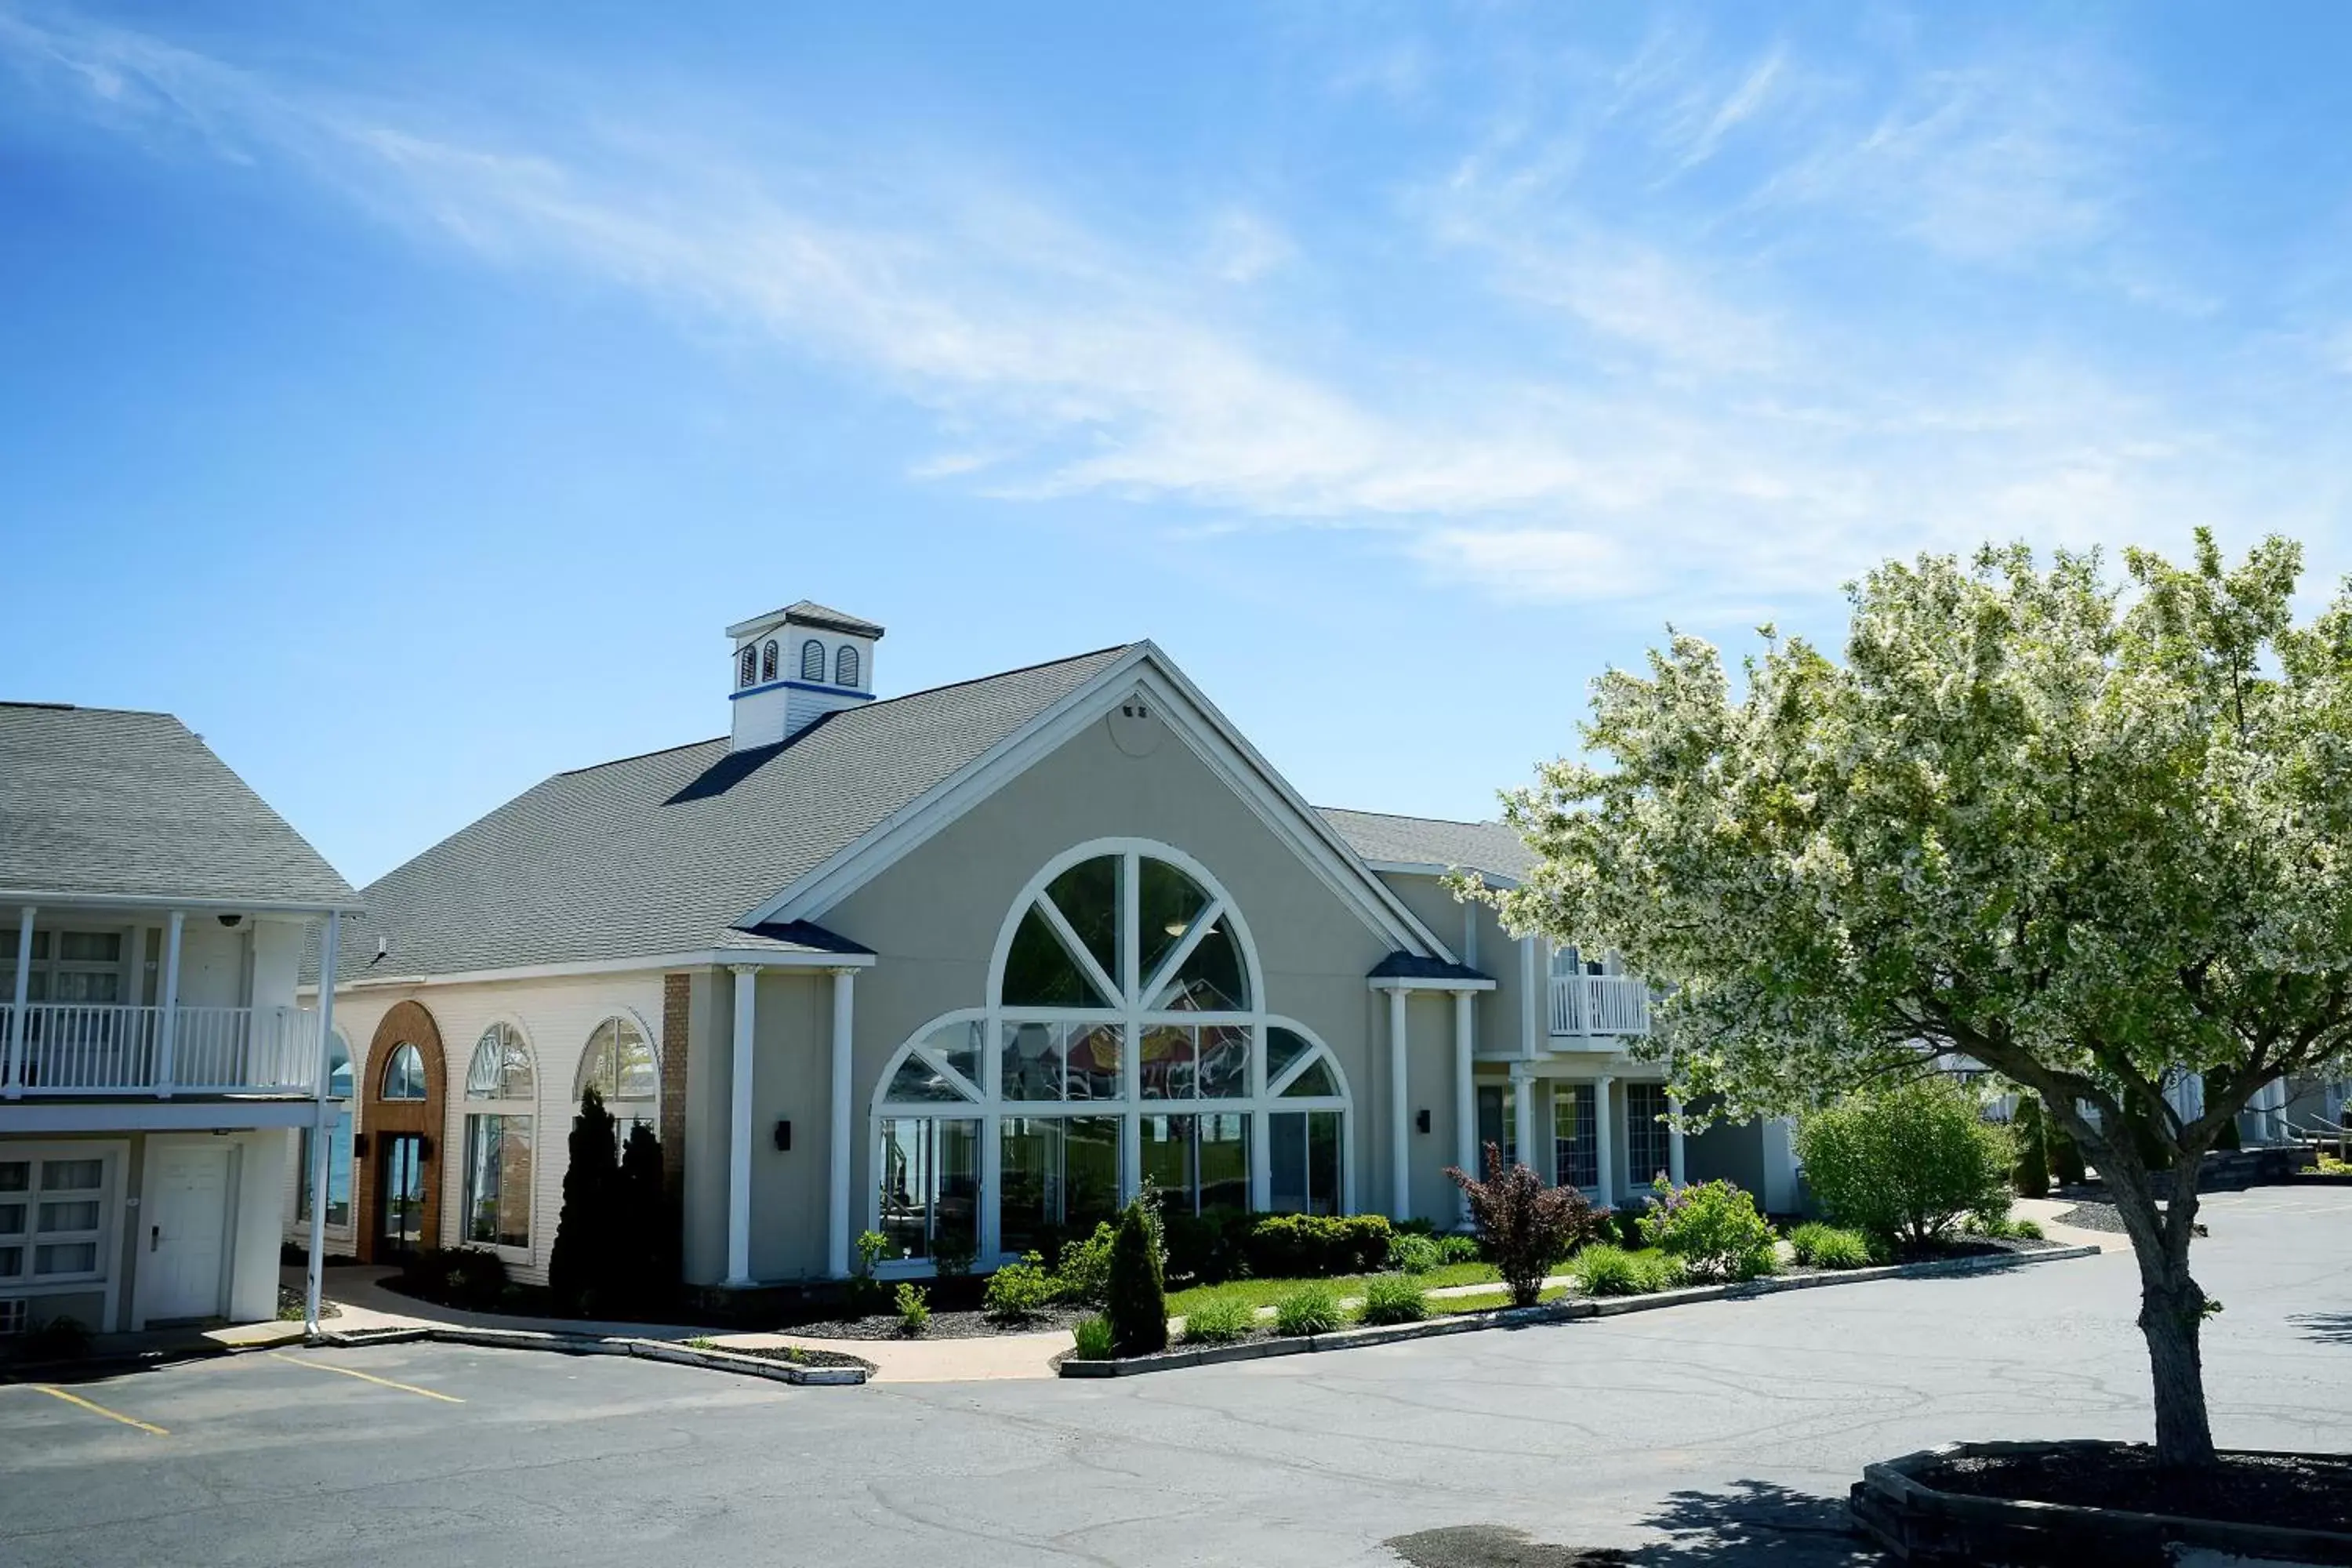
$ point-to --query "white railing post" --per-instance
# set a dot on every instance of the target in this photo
(319, 1138)
(169, 1033)
(16, 1081)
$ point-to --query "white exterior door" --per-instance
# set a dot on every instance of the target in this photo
(187, 1231)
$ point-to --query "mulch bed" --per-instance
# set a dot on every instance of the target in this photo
(2294, 1492)
(796, 1357)
(967, 1325)
(293, 1303)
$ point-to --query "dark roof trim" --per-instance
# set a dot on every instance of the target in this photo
(809, 935)
(1412, 966)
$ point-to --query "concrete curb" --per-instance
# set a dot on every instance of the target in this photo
(597, 1345)
(1556, 1312)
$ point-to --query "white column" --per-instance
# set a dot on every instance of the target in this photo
(837, 1190)
(1604, 1154)
(317, 1175)
(1400, 1129)
(16, 1079)
(1465, 1093)
(739, 1129)
(1535, 1002)
(1523, 1116)
(167, 1032)
(1673, 1141)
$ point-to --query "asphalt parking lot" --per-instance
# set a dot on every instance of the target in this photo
(1715, 1432)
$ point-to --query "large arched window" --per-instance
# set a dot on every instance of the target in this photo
(403, 1073)
(845, 666)
(811, 660)
(619, 1064)
(1124, 1041)
(500, 1110)
(338, 1139)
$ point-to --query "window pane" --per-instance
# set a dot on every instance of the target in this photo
(1496, 1127)
(1087, 896)
(1645, 1133)
(338, 1070)
(12, 1219)
(1224, 1066)
(1325, 1129)
(1167, 902)
(639, 1074)
(1168, 1160)
(1167, 1062)
(403, 1074)
(1282, 1046)
(959, 1047)
(12, 1262)
(56, 1217)
(66, 1258)
(1092, 1053)
(502, 1066)
(498, 1180)
(1040, 973)
(72, 1175)
(1210, 979)
(15, 1175)
(1224, 1163)
(1061, 1178)
(1574, 1151)
(1316, 1083)
(916, 1080)
(89, 946)
(931, 1183)
(85, 985)
(1303, 1162)
(1032, 1063)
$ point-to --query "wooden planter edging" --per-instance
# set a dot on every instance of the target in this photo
(1555, 1312)
(597, 1345)
(1918, 1523)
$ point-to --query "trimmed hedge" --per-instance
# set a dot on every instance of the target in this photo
(1294, 1246)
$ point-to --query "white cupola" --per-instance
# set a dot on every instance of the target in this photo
(791, 666)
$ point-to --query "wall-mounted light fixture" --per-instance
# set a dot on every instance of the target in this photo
(784, 1137)
(1421, 1120)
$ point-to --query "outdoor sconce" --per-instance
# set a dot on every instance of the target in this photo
(360, 1144)
(1422, 1119)
(783, 1137)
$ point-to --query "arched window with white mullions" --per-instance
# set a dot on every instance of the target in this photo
(1124, 1041)
(620, 1065)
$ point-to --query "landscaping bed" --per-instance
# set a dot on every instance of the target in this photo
(943, 1325)
(2305, 1490)
(791, 1355)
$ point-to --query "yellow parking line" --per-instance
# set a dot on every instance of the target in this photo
(101, 1409)
(368, 1377)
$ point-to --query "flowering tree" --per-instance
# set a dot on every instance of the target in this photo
(2089, 836)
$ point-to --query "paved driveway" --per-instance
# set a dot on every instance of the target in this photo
(1715, 1432)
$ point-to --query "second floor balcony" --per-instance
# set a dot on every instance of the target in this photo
(1599, 1005)
(80, 1049)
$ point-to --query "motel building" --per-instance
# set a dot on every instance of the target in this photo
(967, 965)
(156, 1074)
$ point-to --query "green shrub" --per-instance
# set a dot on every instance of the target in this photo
(1309, 1310)
(1219, 1322)
(1094, 1340)
(472, 1278)
(1415, 1253)
(1659, 1272)
(1295, 1246)
(1209, 1248)
(1608, 1269)
(1018, 1292)
(2030, 1175)
(2001, 1227)
(1627, 1224)
(1083, 1276)
(1906, 1164)
(914, 1309)
(1712, 1230)
(1138, 1296)
(580, 1266)
(864, 1290)
(1413, 1226)
(1818, 1245)
(1524, 1226)
(1459, 1249)
(2066, 1155)
(1391, 1299)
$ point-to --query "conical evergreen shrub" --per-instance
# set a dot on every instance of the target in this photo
(1138, 1297)
(581, 1267)
(2032, 1176)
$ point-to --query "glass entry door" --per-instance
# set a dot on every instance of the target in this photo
(402, 1215)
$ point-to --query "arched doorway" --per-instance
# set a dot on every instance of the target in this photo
(404, 1093)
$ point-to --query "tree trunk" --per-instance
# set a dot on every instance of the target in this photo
(2171, 1313)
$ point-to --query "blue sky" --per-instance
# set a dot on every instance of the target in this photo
(407, 400)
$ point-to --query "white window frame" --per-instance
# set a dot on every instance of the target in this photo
(1132, 988)
(304, 1173)
(628, 1015)
(114, 1155)
(467, 1108)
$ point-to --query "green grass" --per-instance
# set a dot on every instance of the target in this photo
(1485, 1302)
(1266, 1292)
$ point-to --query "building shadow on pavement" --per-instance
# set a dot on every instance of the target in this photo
(2327, 1328)
(1750, 1522)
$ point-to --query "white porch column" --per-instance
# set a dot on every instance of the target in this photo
(168, 1031)
(16, 1079)
(1523, 1116)
(1673, 1141)
(738, 1128)
(837, 1190)
(1399, 1127)
(1465, 1093)
(1604, 1139)
(320, 1140)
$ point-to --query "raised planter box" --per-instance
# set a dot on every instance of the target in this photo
(1917, 1522)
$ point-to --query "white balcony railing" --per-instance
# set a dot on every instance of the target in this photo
(74, 1048)
(1599, 1005)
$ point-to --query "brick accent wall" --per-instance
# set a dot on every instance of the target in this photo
(677, 991)
(407, 1024)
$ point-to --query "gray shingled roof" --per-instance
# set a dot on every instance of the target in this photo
(104, 801)
(665, 853)
(809, 613)
(1488, 847)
